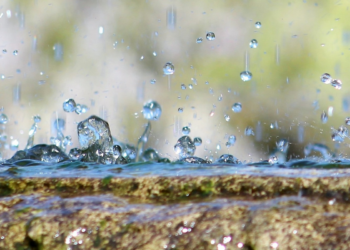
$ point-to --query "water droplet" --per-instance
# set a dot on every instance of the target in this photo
(248, 131)
(324, 117)
(227, 117)
(4, 51)
(168, 69)
(15, 52)
(81, 109)
(180, 110)
(153, 81)
(212, 113)
(152, 110)
(2, 76)
(207, 83)
(273, 159)
(197, 141)
(336, 83)
(347, 121)
(69, 105)
(282, 145)
(141, 58)
(186, 130)
(37, 118)
(343, 131)
(3, 118)
(326, 78)
(14, 145)
(232, 140)
(253, 44)
(258, 25)
(199, 40)
(184, 147)
(190, 86)
(220, 98)
(246, 76)
(210, 36)
(41, 82)
(237, 107)
(150, 155)
(183, 86)
(154, 53)
(75, 154)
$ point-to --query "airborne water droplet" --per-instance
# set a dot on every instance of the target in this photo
(15, 52)
(248, 131)
(186, 130)
(168, 68)
(151, 110)
(183, 86)
(253, 44)
(347, 121)
(246, 76)
(199, 40)
(197, 141)
(210, 36)
(326, 78)
(324, 117)
(69, 105)
(258, 25)
(237, 107)
(227, 117)
(336, 84)
(3, 118)
(153, 81)
(232, 140)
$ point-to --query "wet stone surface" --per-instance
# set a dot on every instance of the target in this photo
(75, 205)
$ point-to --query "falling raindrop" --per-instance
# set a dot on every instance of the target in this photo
(199, 40)
(152, 110)
(258, 25)
(324, 117)
(232, 139)
(197, 141)
(246, 76)
(336, 84)
(347, 121)
(183, 86)
(248, 131)
(326, 78)
(227, 117)
(190, 86)
(180, 110)
(3, 118)
(253, 44)
(168, 68)
(4, 51)
(15, 52)
(210, 36)
(186, 130)
(237, 107)
(154, 53)
(153, 81)
(69, 105)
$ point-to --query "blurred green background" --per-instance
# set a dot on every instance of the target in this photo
(62, 43)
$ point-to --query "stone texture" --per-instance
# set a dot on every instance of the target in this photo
(174, 212)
